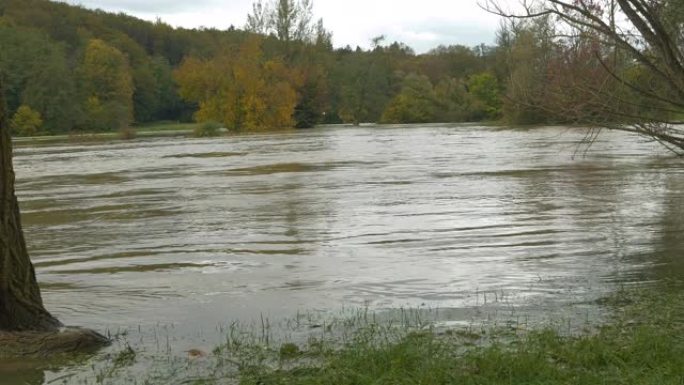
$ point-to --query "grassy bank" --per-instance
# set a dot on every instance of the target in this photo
(159, 129)
(643, 345)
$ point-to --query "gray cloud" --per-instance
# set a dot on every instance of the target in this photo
(426, 35)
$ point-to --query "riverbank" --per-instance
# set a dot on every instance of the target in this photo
(176, 129)
(643, 344)
(161, 129)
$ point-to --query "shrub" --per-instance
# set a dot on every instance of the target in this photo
(26, 121)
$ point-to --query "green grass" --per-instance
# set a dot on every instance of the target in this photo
(644, 345)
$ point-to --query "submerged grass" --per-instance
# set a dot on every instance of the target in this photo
(642, 345)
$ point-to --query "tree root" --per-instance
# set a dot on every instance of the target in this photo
(67, 340)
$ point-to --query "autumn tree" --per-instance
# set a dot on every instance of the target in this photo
(242, 89)
(26, 121)
(303, 46)
(525, 52)
(648, 33)
(556, 80)
(107, 86)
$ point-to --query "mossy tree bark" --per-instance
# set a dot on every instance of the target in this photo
(21, 306)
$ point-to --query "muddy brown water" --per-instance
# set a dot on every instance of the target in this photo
(195, 233)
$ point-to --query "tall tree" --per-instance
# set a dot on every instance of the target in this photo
(367, 83)
(259, 20)
(108, 86)
(242, 89)
(38, 74)
(415, 103)
(21, 306)
(288, 20)
(484, 88)
(525, 53)
(651, 33)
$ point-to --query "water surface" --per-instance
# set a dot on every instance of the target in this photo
(200, 232)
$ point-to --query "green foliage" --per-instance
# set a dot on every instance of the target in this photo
(485, 89)
(416, 103)
(26, 122)
(91, 70)
(108, 84)
(452, 101)
(366, 82)
(311, 64)
(289, 351)
(105, 115)
(43, 47)
(95, 71)
(450, 62)
(36, 73)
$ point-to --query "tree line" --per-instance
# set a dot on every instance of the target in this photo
(67, 68)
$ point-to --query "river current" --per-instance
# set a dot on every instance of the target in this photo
(201, 232)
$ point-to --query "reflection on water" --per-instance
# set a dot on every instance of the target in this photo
(21, 372)
(665, 260)
(201, 232)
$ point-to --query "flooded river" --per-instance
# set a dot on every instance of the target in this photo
(200, 232)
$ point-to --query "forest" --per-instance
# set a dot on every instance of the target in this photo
(70, 69)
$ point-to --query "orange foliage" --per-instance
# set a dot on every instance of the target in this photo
(241, 89)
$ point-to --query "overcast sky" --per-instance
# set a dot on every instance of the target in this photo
(421, 24)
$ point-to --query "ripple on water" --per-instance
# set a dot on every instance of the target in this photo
(208, 230)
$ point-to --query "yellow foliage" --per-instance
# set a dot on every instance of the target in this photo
(240, 89)
(26, 121)
(108, 84)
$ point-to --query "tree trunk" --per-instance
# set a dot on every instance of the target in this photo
(21, 306)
